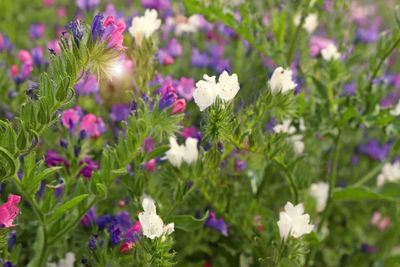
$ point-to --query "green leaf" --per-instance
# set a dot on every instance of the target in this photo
(389, 191)
(397, 15)
(188, 223)
(159, 151)
(31, 184)
(321, 88)
(347, 115)
(67, 206)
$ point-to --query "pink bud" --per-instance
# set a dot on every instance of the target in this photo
(61, 12)
(385, 223)
(180, 106)
(14, 70)
(127, 247)
(168, 60)
(376, 217)
(122, 204)
(151, 165)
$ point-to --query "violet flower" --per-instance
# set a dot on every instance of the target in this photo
(36, 31)
(168, 97)
(89, 168)
(120, 112)
(217, 224)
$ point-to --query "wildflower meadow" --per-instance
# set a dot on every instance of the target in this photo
(199, 133)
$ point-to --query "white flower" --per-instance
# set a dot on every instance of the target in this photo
(310, 22)
(396, 110)
(330, 53)
(281, 80)
(390, 172)
(190, 152)
(206, 92)
(293, 222)
(144, 26)
(67, 262)
(208, 89)
(193, 24)
(320, 192)
(285, 127)
(177, 153)
(302, 127)
(228, 86)
(298, 144)
(152, 224)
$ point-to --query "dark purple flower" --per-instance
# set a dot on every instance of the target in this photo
(52, 159)
(148, 145)
(120, 112)
(200, 60)
(63, 143)
(240, 165)
(37, 55)
(124, 221)
(97, 27)
(89, 168)
(168, 97)
(368, 35)
(217, 224)
(103, 221)
(12, 239)
(115, 236)
(93, 242)
(5, 44)
(191, 132)
(349, 89)
(374, 150)
(77, 30)
(9, 264)
(364, 247)
(89, 218)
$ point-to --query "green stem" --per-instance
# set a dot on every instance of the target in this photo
(39, 214)
(332, 179)
(74, 223)
(289, 179)
(185, 196)
(370, 175)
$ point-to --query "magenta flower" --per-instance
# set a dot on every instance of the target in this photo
(87, 85)
(70, 118)
(168, 97)
(89, 168)
(54, 46)
(9, 211)
(113, 33)
(180, 105)
(36, 31)
(148, 145)
(90, 126)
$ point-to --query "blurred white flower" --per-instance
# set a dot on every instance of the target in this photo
(206, 92)
(298, 144)
(228, 86)
(396, 110)
(67, 262)
(390, 173)
(302, 127)
(293, 222)
(320, 192)
(187, 152)
(152, 224)
(145, 26)
(310, 22)
(331, 52)
(191, 25)
(285, 127)
(281, 81)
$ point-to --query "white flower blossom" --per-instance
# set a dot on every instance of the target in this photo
(67, 262)
(193, 24)
(396, 110)
(331, 52)
(294, 222)
(145, 26)
(152, 224)
(320, 192)
(208, 89)
(228, 86)
(298, 144)
(206, 92)
(178, 153)
(281, 81)
(390, 173)
(310, 22)
(285, 127)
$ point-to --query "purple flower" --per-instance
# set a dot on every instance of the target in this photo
(168, 97)
(36, 31)
(191, 132)
(349, 89)
(87, 85)
(97, 27)
(89, 168)
(93, 242)
(77, 30)
(240, 165)
(12, 239)
(148, 145)
(115, 235)
(124, 221)
(120, 112)
(5, 44)
(156, 4)
(37, 55)
(63, 143)
(217, 224)
(134, 232)
(174, 48)
(89, 218)
(52, 159)
(87, 5)
(103, 221)
(200, 60)
(186, 88)
(164, 58)
(374, 150)
(368, 35)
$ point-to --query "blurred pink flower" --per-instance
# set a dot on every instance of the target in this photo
(8, 211)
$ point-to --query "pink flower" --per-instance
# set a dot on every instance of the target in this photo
(14, 70)
(376, 217)
(186, 88)
(47, 3)
(113, 32)
(151, 165)
(180, 106)
(55, 46)
(127, 247)
(8, 211)
(122, 204)
(25, 57)
(61, 12)
(70, 118)
(89, 125)
(385, 223)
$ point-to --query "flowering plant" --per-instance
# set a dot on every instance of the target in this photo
(199, 133)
